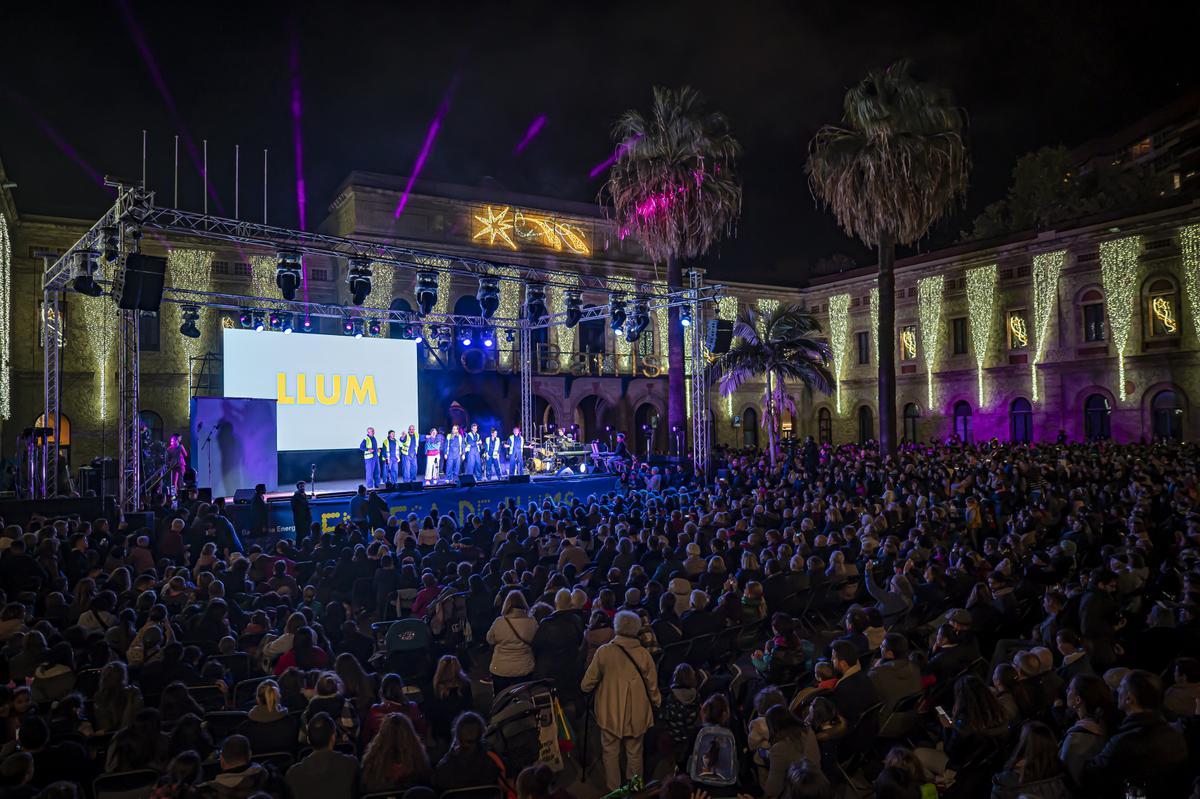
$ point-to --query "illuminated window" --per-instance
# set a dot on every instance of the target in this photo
(911, 415)
(863, 340)
(1162, 309)
(825, 426)
(908, 343)
(1018, 329)
(1093, 316)
(1020, 418)
(958, 335)
(1141, 148)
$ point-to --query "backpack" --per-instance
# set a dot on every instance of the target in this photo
(714, 757)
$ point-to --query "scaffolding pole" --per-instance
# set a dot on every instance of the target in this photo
(51, 410)
(701, 430)
(526, 384)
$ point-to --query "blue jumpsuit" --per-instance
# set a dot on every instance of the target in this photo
(454, 450)
(391, 460)
(408, 457)
(370, 450)
(491, 448)
(516, 455)
(473, 466)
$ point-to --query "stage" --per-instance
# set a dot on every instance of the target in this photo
(332, 503)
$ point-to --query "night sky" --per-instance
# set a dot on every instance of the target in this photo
(372, 77)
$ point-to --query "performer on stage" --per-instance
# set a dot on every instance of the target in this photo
(433, 454)
(491, 455)
(516, 452)
(391, 458)
(370, 451)
(454, 453)
(472, 443)
(177, 456)
(408, 454)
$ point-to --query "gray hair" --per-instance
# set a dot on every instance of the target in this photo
(627, 623)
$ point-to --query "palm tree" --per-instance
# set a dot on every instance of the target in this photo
(888, 172)
(674, 186)
(787, 350)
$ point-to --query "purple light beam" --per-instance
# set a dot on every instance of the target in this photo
(612, 159)
(298, 145)
(139, 41)
(430, 136)
(534, 129)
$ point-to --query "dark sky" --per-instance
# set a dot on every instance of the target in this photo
(373, 75)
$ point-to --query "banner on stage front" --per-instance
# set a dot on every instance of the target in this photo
(328, 389)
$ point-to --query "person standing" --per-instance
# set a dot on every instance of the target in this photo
(259, 517)
(454, 453)
(433, 454)
(516, 452)
(370, 452)
(408, 454)
(625, 680)
(472, 444)
(301, 512)
(491, 455)
(177, 456)
(391, 458)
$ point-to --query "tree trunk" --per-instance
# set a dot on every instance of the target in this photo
(676, 389)
(887, 346)
(769, 418)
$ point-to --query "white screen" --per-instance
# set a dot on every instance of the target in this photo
(330, 389)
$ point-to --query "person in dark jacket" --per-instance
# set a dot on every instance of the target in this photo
(258, 512)
(324, 774)
(301, 512)
(556, 649)
(468, 764)
(1145, 751)
(1098, 618)
(240, 777)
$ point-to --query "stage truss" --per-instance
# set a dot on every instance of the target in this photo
(134, 213)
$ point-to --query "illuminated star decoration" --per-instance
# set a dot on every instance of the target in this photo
(495, 226)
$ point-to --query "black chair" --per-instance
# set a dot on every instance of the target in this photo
(125, 784)
(670, 657)
(222, 724)
(852, 748)
(244, 692)
(206, 646)
(280, 761)
(902, 718)
(236, 664)
(209, 697)
(479, 792)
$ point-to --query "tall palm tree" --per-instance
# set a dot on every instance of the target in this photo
(787, 350)
(894, 166)
(674, 186)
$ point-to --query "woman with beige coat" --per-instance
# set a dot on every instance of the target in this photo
(626, 684)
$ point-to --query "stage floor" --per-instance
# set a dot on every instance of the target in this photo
(350, 486)
(331, 506)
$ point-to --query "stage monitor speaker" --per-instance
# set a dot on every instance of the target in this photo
(719, 336)
(143, 286)
(466, 481)
(406, 488)
(139, 521)
(204, 495)
(243, 496)
(518, 478)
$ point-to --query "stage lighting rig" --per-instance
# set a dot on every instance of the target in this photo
(286, 323)
(189, 327)
(306, 325)
(535, 302)
(358, 278)
(348, 327)
(465, 338)
(111, 236)
(274, 321)
(427, 291)
(616, 310)
(574, 304)
(258, 323)
(685, 315)
(245, 320)
(488, 296)
(86, 266)
(489, 339)
(638, 322)
(288, 273)
(374, 327)
(357, 327)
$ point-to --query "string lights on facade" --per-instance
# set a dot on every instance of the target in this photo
(727, 310)
(981, 300)
(1047, 267)
(98, 315)
(929, 313)
(5, 321)
(839, 324)
(1119, 273)
(875, 321)
(557, 300)
(765, 308)
(1189, 249)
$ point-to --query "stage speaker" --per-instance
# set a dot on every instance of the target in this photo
(405, 488)
(204, 495)
(143, 286)
(243, 496)
(518, 478)
(719, 336)
(466, 481)
(139, 521)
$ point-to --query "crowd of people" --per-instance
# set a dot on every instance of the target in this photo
(956, 620)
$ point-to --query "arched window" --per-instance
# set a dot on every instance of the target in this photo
(591, 335)
(911, 414)
(962, 420)
(866, 425)
(153, 424)
(750, 428)
(1162, 309)
(1091, 305)
(395, 329)
(1097, 422)
(65, 441)
(1167, 415)
(1020, 421)
(824, 426)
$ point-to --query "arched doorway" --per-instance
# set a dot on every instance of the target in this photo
(1097, 418)
(962, 421)
(591, 335)
(750, 428)
(912, 415)
(543, 416)
(647, 424)
(1020, 421)
(467, 305)
(65, 439)
(395, 329)
(824, 426)
(866, 425)
(1167, 415)
(587, 416)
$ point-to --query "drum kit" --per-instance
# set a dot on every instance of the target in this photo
(554, 451)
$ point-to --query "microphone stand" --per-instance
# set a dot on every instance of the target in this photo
(211, 431)
(312, 482)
